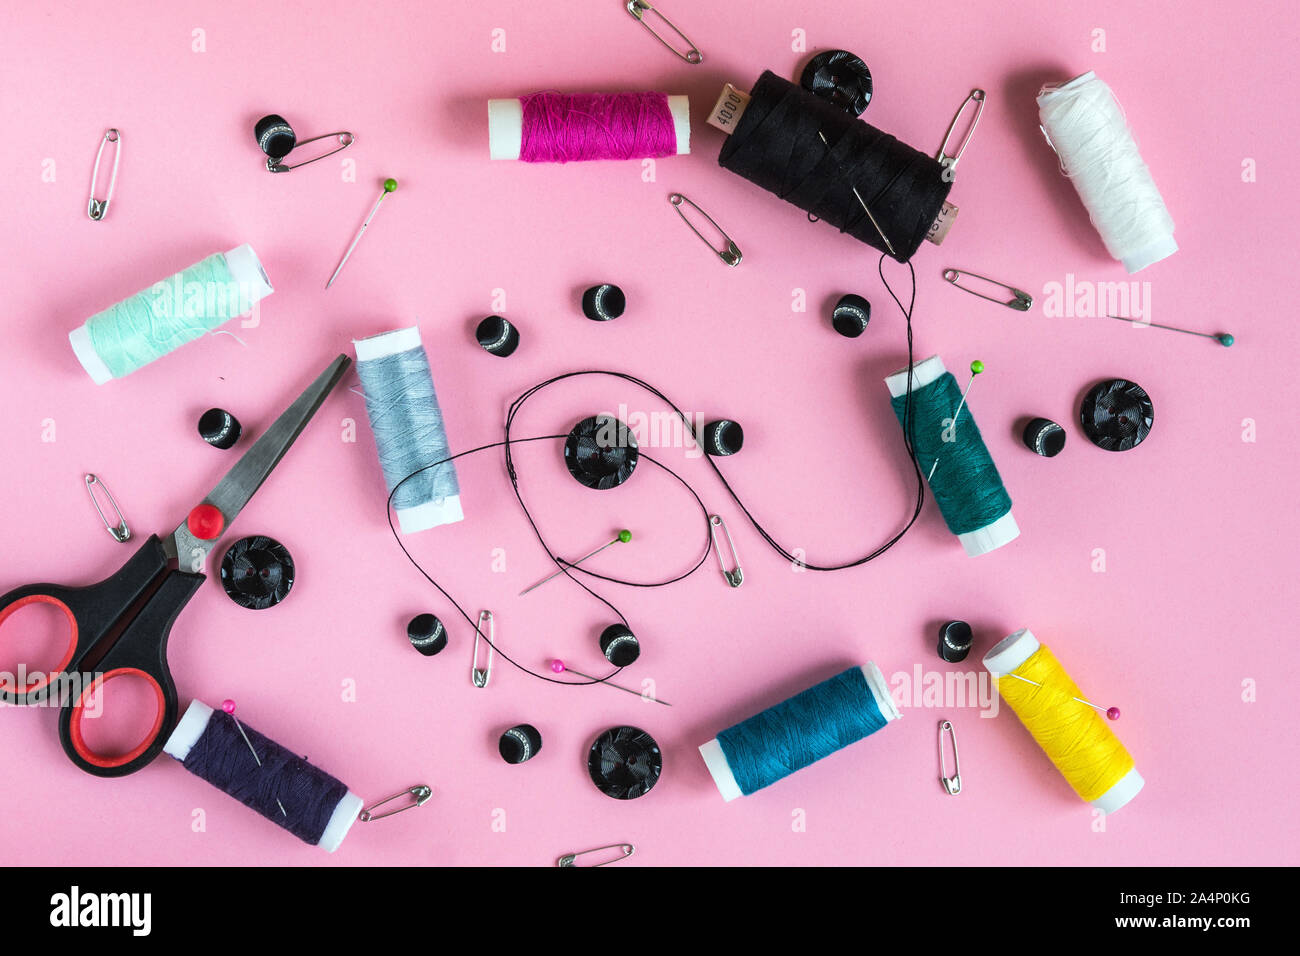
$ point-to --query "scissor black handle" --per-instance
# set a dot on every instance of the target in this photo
(144, 587)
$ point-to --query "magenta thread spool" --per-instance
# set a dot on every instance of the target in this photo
(550, 127)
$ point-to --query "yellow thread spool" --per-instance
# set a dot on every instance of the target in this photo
(1074, 736)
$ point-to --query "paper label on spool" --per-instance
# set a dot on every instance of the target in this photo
(728, 110)
(942, 223)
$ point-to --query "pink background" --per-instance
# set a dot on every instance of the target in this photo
(1198, 526)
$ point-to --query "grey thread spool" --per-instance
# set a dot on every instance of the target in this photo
(409, 434)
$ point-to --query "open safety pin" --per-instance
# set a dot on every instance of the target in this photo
(278, 166)
(951, 784)
(730, 255)
(481, 677)
(1021, 301)
(735, 577)
(950, 162)
(639, 8)
(97, 209)
(419, 794)
(571, 859)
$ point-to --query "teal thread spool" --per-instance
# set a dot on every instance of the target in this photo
(966, 483)
(160, 319)
(812, 724)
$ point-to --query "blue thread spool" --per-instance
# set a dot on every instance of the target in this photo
(813, 724)
(317, 808)
(409, 434)
(160, 319)
(966, 483)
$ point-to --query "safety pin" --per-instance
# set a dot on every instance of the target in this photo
(735, 577)
(97, 209)
(120, 531)
(481, 677)
(951, 784)
(571, 859)
(420, 795)
(976, 97)
(345, 139)
(730, 255)
(639, 8)
(1021, 301)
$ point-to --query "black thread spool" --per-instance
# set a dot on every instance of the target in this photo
(497, 336)
(601, 452)
(426, 634)
(519, 743)
(723, 438)
(776, 146)
(257, 572)
(625, 763)
(219, 428)
(275, 136)
(1117, 414)
(619, 645)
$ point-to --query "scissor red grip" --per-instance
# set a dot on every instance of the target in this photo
(23, 602)
(79, 741)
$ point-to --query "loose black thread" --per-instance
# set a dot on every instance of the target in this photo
(776, 145)
(508, 441)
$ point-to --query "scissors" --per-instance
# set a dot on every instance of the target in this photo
(120, 626)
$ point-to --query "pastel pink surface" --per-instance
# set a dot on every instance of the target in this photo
(1197, 526)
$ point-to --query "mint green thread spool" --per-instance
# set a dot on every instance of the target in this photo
(160, 319)
(966, 484)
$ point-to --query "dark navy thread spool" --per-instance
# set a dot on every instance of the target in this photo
(723, 438)
(519, 743)
(497, 336)
(955, 641)
(851, 315)
(212, 745)
(275, 136)
(219, 428)
(426, 634)
(602, 303)
(1044, 437)
(619, 645)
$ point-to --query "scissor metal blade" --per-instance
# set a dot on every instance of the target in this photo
(247, 475)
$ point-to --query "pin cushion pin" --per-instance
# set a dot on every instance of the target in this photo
(601, 452)
(624, 763)
(1116, 414)
(257, 572)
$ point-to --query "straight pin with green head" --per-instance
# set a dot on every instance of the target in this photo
(389, 186)
(975, 368)
(1223, 338)
(623, 537)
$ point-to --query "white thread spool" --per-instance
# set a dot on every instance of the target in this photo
(982, 540)
(249, 284)
(1084, 125)
(1012, 651)
(506, 126)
